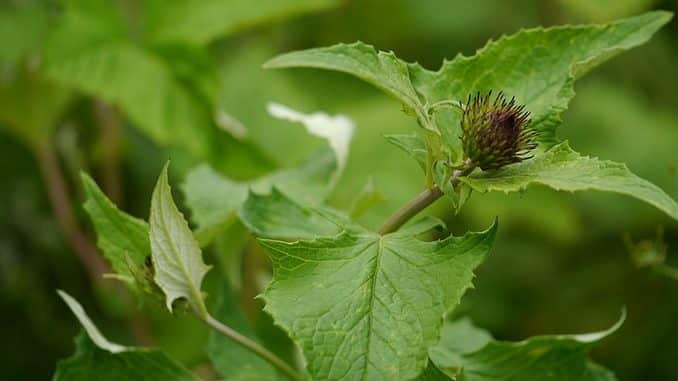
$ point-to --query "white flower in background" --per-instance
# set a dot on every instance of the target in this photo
(337, 129)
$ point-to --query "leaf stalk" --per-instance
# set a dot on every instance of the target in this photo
(251, 345)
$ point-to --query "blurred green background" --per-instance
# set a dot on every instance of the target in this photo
(146, 92)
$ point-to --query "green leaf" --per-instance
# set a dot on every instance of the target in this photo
(31, 105)
(367, 307)
(201, 21)
(537, 66)
(96, 358)
(123, 239)
(214, 199)
(381, 69)
(91, 363)
(561, 168)
(91, 51)
(230, 359)
(27, 20)
(277, 216)
(468, 353)
(177, 259)
(433, 373)
(369, 197)
(412, 145)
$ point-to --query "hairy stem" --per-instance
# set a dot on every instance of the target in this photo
(252, 346)
(420, 202)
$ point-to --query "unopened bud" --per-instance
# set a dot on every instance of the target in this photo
(496, 132)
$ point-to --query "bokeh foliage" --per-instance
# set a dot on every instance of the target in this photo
(560, 264)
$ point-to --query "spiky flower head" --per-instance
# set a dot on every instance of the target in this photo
(496, 132)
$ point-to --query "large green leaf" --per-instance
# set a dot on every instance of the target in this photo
(92, 50)
(468, 353)
(92, 363)
(177, 259)
(201, 21)
(23, 19)
(123, 239)
(381, 69)
(142, 85)
(561, 168)
(537, 66)
(368, 307)
(214, 199)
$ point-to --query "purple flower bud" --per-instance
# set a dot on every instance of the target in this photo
(496, 132)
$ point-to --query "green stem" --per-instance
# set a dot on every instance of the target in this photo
(409, 210)
(253, 346)
(420, 202)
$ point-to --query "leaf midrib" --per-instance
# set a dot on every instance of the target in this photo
(195, 294)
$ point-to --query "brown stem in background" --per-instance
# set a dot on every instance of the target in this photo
(110, 123)
(58, 193)
(84, 249)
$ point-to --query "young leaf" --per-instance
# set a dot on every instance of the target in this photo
(214, 199)
(412, 145)
(368, 197)
(277, 216)
(468, 353)
(91, 329)
(561, 168)
(368, 307)
(537, 66)
(91, 363)
(177, 259)
(123, 239)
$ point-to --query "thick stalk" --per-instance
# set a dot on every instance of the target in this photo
(411, 209)
(252, 346)
(420, 202)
